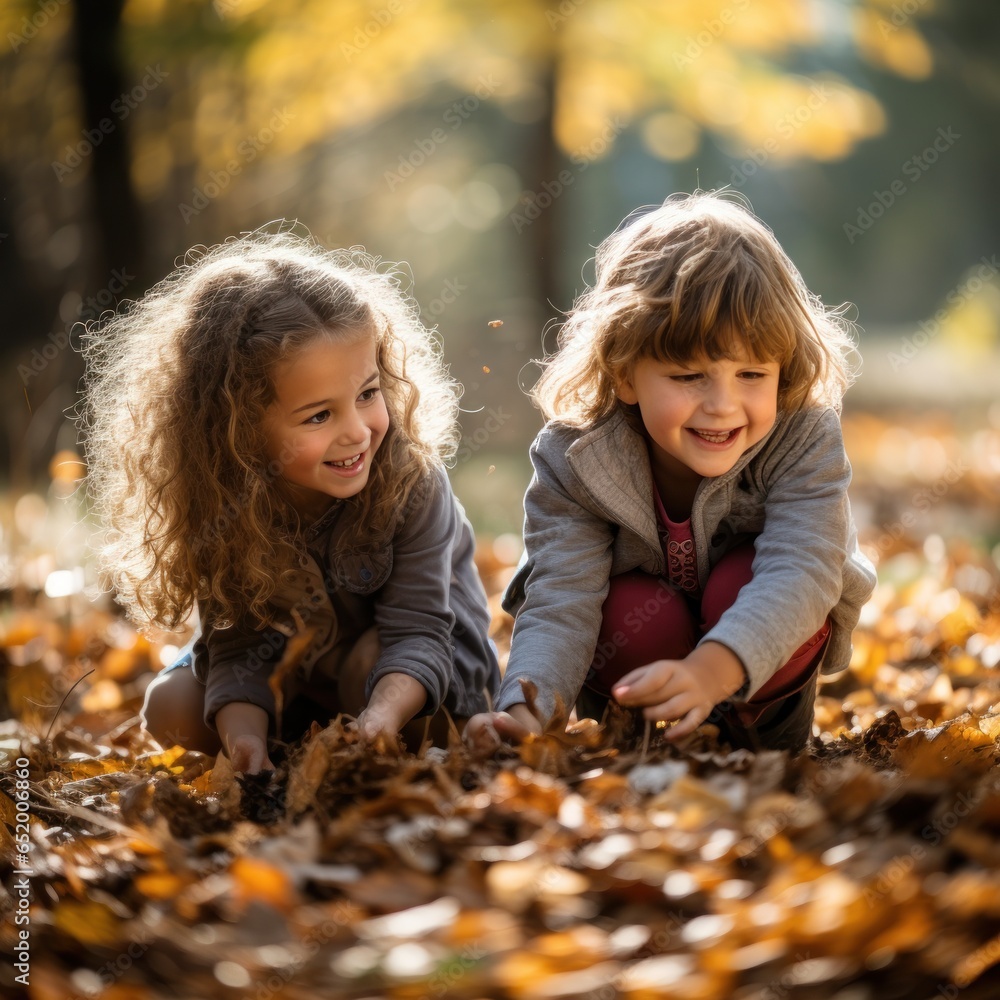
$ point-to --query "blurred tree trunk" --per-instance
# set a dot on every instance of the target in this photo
(541, 166)
(547, 167)
(116, 225)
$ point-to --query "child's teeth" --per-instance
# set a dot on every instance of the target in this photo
(347, 462)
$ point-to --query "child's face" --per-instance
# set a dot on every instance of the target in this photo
(327, 420)
(701, 416)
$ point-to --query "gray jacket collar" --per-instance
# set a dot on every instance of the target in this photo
(611, 461)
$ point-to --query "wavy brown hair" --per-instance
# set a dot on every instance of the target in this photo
(699, 276)
(176, 390)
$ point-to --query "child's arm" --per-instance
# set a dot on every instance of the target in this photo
(802, 553)
(234, 664)
(413, 614)
(396, 699)
(243, 730)
(569, 549)
(685, 689)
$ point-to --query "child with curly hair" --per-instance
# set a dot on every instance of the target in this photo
(689, 545)
(266, 431)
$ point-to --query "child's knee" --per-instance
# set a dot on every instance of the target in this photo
(733, 571)
(643, 619)
(172, 712)
(156, 706)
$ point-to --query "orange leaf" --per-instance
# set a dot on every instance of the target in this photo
(259, 880)
(159, 885)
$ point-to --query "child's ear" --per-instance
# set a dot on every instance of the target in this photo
(624, 390)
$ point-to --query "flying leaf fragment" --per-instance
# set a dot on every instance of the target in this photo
(295, 649)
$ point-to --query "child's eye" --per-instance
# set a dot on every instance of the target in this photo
(319, 418)
(754, 376)
(687, 378)
(369, 394)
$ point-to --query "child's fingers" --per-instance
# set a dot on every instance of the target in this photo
(485, 737)
(248, 755)
(686, 726)
(508, 728)
(641, 686)
(635, 678)
(373, 727)
(252, 763)
(480, 733)
(485, 732)
(675, 707)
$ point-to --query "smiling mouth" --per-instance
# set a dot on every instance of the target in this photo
(715, 437)
(347, 462)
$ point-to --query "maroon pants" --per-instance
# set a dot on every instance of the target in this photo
(646, 619)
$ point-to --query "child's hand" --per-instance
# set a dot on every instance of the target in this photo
(395, 700)
(485, 732)
(685, 689)
(375, 722)
(243, 730)
(248, 754)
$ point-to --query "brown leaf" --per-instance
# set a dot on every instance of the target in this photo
(295, 649)
(948, 750)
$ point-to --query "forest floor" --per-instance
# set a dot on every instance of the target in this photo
(592, 863)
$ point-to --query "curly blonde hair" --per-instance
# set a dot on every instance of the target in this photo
(176, 390)
(698, 276)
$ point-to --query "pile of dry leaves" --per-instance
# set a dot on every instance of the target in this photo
(596, 863)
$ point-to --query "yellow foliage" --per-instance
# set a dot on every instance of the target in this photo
(897, 47)
(334, 67)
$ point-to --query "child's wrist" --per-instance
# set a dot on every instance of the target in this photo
(398, 697)
(241, 718)
(725, 666)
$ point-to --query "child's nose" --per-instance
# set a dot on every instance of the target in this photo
(721, 398)
(353, 430)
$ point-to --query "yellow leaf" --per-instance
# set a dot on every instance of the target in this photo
(165, 759)
(89, 768)
(88, 922)
(990, 724)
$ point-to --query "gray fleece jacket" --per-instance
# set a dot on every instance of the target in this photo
(590, 515)
(420, 590)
